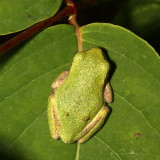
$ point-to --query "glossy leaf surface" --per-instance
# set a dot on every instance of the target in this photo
(132, 130)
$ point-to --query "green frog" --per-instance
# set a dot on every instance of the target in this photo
(76, 107)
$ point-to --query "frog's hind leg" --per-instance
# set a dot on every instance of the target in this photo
(52, 115)
(52, 118)
(94, 125)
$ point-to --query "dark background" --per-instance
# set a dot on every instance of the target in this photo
(139, 16)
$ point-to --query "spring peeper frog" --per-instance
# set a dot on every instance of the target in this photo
(76, 107)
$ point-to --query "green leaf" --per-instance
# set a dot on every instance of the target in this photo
(136, 86)
(132, 130)
(19, 14)
(25, 80)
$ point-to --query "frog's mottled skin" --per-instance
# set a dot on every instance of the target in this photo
(76, 107)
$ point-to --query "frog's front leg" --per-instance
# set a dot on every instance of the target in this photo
(94, 125)
(59, 80)
(52, 115)
(108, 93)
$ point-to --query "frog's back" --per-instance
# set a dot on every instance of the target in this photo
(80, 97)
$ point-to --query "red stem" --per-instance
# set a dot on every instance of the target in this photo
(73, 21)
(31, 31)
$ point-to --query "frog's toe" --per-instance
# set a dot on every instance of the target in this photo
(55, 135)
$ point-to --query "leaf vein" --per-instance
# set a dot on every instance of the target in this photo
(23, 132)
(127, 58)
(138, 112)
(26, 10)
(107, 146)
(34, 53)
(31, 81)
